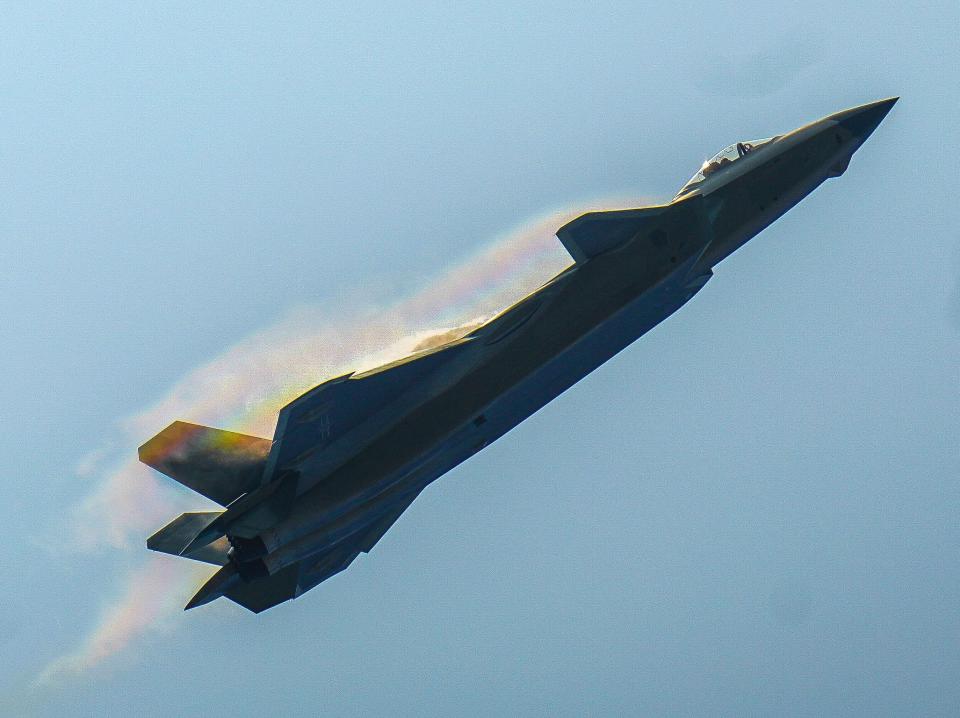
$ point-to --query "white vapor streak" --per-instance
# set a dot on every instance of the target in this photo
(242, 389)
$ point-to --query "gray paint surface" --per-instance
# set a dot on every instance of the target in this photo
(349, 456)
(769, 518)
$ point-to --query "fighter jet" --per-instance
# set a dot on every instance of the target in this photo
(349, 456)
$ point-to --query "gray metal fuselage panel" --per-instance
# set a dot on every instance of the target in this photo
(406, 425)
(566, 329)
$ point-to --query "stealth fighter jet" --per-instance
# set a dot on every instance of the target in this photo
(349, 456)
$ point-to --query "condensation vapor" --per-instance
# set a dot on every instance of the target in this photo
(244, 387)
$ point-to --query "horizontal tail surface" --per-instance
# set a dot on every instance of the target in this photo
(176, 537)
(221, 465)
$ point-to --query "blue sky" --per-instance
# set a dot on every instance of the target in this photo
(754, 509)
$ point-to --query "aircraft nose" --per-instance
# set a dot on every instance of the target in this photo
(863, 120)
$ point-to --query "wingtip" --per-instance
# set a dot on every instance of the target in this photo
(214, 587)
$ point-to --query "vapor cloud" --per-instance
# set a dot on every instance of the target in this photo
(243, 388)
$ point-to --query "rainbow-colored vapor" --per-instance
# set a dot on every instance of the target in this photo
(243, 388)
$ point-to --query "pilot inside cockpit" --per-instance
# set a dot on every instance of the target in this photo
(723, 159)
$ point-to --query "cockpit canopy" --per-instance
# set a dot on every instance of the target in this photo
(723, 159)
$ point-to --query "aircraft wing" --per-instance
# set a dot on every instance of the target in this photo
(300, 577)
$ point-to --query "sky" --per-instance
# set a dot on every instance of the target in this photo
(208, 209)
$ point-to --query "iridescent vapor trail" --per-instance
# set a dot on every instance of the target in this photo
(243, 388)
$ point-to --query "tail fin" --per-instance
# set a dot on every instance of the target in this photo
(221, 465)
(176, 536)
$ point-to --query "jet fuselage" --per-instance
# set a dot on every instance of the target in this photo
(569, 327)
(351, 471)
